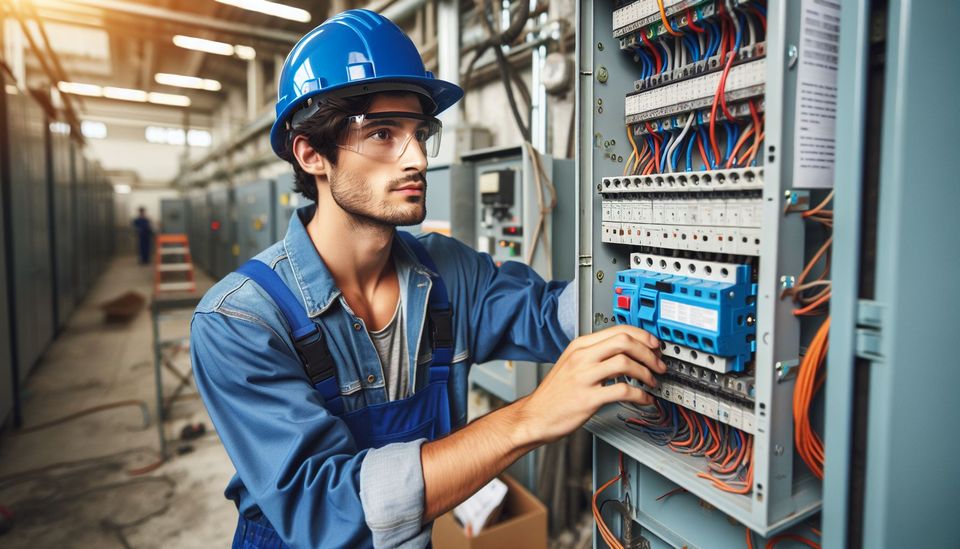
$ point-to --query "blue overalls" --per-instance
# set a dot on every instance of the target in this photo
(425, 414)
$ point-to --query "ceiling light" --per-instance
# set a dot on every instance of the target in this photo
(183, 81)
(202, 44)
(76, 88)
(93, 129)
(121, 189)
(169, 99)
(245, 52)
(271, 8)
(125, 94)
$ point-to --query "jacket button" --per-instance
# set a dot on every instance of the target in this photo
(357, 326)
(371, 378)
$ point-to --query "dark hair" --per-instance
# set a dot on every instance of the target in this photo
(325, 130)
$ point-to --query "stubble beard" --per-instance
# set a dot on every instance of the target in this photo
(355, 196)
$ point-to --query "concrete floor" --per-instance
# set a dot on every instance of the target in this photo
(69, 485)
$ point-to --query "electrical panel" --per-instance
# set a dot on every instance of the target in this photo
(173, 216)
(705, 143)
(507, 207)
(256, 224)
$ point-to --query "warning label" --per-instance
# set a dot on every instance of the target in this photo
(691, 315)
(817, 94)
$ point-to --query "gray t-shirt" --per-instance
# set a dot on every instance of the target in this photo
(391, 345)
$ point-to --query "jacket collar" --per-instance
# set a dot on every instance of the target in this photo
(316, 284)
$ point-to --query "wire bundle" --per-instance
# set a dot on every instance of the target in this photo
(661, 146)
(608, 536)
(727, 450)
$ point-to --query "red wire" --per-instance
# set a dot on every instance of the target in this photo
(763, 20)
(691, 24)
(656, 54)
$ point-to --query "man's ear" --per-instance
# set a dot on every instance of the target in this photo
(309, 159)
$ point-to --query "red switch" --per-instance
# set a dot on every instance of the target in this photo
(623, 302)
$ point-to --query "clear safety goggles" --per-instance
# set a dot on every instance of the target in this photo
(385, 136)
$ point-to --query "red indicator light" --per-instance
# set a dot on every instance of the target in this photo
(214, 225)
(618, 290)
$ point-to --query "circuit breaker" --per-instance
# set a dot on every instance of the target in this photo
(705, 163)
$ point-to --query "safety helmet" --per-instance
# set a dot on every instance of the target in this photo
(353, 53)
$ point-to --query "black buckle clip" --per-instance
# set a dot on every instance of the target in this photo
(442, 326)
(316, 357)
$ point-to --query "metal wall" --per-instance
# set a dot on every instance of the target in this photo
(55, 223)
(199, 229)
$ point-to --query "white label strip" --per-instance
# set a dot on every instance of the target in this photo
(740, 77)
(817, 94)
(691, 315)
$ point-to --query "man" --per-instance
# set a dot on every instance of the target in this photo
(141, 224)
(334, 366)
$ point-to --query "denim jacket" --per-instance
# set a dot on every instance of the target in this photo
(297, 465)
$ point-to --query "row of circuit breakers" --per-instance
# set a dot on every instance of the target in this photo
(688, 203)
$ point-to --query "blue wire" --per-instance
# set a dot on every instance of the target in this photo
(643, 63)
(713, 35)
(690, 151)
(663, 153)
(736, 43)
(760, 7)
(730, 138)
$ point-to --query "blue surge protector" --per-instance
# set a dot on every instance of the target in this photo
(707, 315)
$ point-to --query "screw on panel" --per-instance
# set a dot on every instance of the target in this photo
(600, 46)
(602, 75)
(619, 158)
(792, 55)
(606, 144)
(599, 110)
(600, 276)
(599, 101)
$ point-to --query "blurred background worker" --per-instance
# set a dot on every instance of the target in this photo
(144, 229)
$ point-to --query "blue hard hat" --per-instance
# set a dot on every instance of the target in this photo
(353, 53)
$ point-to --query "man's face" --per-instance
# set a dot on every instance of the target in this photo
(379, 190)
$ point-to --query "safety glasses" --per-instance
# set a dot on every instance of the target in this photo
(384, 136)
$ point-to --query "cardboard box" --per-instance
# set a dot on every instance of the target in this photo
(523, 523)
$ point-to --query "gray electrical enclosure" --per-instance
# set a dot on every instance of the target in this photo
(174, 218)
(665, 228)
(256, 223)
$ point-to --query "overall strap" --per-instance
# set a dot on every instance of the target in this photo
(439, 312)
(307, 338)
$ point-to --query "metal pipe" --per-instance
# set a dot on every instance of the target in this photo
(401, 10)
(192, 20)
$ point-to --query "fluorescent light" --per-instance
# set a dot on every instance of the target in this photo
(183, 81)
(168, 99)
(76, 88)
(93, 130)
(125, 94)
(199, 138)
(202, 44)
(121, 189)
(245, 52)
(61, 128)
(271, 8)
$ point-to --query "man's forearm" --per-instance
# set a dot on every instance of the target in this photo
(455, 467)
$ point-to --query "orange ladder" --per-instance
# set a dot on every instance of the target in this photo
(173, 261)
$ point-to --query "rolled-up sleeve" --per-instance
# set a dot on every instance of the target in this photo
(299, 462)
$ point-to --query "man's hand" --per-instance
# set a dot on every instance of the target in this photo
(458, 465)
(574, 389)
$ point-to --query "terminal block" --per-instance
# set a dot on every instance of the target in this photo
(705, 306)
